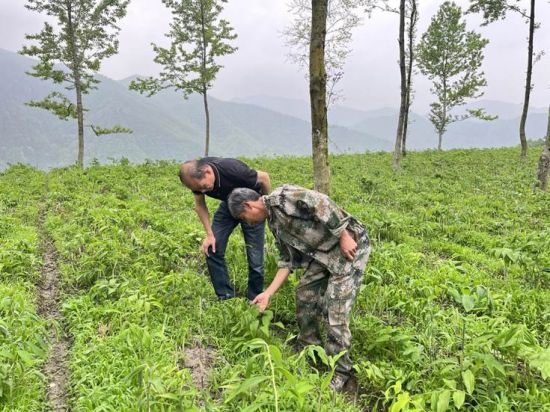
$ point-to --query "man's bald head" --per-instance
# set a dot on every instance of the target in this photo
(197, 175)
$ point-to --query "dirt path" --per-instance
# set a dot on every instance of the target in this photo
(199, 361)
(56, 366)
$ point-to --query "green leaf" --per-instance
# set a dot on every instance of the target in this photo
(290, 377)
(25, 356)
(492, 364)
(276, 355)
(455, 294)
(468, 302)
(157, 384)
(469, 381)
(303, 387)
(541, 362)
(246, 386)
(443, 400)
(402, 401)
(458, 398)
(450, 383)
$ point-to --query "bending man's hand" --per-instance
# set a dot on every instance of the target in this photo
(262, 301)
(210, 241)
(348, 246)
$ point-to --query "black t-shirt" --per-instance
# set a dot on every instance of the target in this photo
(230, 174)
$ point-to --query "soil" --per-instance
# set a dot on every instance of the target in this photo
(56, 367)
(199, 360)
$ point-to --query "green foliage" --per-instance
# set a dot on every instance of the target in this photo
(85, 34)
(58, 104)
(23, 343)
(272, 379)
(23, 348)
(198, 37)
(451, 57)
(100, 131)
(494, 10)
(452, 314)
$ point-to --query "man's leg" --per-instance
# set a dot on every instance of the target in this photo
(340, 297)
(222, 226)
(309, 307)
(254, 240)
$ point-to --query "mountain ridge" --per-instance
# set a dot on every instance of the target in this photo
(165, 126)
(169, 127)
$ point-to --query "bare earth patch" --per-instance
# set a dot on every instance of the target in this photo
(55, 368)
(199, 361)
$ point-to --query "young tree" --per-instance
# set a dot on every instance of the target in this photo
(544, 160)
(494, 10)
(451, 57)
(403, 75)
(412, 19)
(408, 18)
(198, 37)
(319, 37)
(71, 54)
(342, 17)
(318, 95)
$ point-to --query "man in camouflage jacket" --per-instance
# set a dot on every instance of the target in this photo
(333, 247)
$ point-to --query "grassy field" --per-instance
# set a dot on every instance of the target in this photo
(23, 338)
(454, 312)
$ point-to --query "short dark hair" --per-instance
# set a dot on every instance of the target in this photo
(237, 199)
(196, 171)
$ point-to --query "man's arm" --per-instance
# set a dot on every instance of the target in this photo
(262, 300)
(335, 219)
(326, 211)
(202, 211)
(265, 182)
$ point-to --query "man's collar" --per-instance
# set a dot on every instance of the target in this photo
(217, 180)
(267, 204)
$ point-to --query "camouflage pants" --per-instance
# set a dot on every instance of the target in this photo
(330, 296)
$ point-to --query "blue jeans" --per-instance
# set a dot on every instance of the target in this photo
(222, 226)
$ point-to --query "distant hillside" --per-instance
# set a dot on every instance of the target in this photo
(338, 115)
(465, 134)
(382, 123)
(165, 126)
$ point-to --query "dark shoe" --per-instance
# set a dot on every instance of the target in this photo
(225, 297)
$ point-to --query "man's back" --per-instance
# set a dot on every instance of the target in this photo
(311, 223)
(229, 174)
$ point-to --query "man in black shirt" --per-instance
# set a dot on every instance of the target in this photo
(216, 177)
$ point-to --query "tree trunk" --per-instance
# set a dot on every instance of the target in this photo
(317, 93)
(528, 86)
(442, 127)
(77, 85)
(544, 166)
(405, 126)
(402, 107)
(207, 117)
(80, 118)
(544, 161)
(203, 78)
(411, 31)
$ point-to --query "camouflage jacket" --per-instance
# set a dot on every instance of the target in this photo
(307, 226)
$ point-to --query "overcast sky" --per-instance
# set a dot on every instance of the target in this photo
(260, 65)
